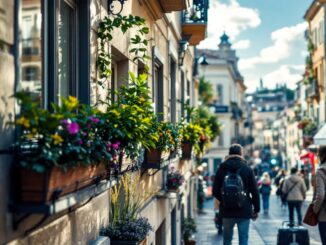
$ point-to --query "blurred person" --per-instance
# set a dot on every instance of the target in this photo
(294, 189)
(218, 219)
(319, 195)
(265, 190)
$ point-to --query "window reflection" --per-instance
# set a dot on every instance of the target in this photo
(66, 49)
(31, 48)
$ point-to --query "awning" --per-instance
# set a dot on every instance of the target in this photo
(320, 137)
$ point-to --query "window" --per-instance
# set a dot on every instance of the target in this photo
(30, 46)
(172, 94)
(221, 139)
(182, 94)
(219, 89)
(157, 89)
(67, 46)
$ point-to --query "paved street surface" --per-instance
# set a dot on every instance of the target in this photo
(262, 232)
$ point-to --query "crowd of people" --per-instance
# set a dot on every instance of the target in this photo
(241, 193)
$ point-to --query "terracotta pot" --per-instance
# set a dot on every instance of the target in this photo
(54, 183)
(191, 242)
(186, 150)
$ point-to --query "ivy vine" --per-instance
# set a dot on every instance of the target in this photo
(139, 41)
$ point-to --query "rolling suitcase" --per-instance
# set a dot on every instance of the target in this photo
(292, 235)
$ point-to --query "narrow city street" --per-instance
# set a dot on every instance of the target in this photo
(262, 232)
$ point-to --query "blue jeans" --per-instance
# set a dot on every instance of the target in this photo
(322, 232)
(243, 230)
(265, 199)
(297, 206)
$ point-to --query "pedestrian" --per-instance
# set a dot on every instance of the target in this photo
(294, 189)
(218, 219)
(265, 190)
(236, 189)
(319, 195)
(278, 182)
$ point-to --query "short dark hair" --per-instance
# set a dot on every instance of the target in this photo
(235, 149)
(294, 170)
(322, 153)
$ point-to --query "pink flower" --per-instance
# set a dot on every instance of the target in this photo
(73, 128)
(115, 146)
(80, 142)
(94, 119)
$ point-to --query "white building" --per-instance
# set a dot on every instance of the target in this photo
(228, 85)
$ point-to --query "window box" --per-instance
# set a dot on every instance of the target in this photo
(190, 242)
(186, 150)
(154, 158)
(174, 5)
(48, 186)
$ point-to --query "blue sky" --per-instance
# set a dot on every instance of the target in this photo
(267, 34)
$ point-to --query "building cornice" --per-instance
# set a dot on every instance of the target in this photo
(313, 9)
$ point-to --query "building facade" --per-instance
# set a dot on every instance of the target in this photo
(50, 48)
(222, 72)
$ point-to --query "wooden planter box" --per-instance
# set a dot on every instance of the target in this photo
(54, 183)
(153, 158)
(186, 150)
(191, 242)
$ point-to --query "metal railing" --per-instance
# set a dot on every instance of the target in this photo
(198, 13)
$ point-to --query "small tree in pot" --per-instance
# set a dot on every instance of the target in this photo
(188, 229)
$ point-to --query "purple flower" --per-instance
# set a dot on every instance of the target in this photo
(80, 142)
(115, 146)
(94, 119)
(73, 128)
(65, 121)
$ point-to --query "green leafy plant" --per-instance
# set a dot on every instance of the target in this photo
(188, 228)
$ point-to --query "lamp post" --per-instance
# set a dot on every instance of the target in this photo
(183, 46)
(112, 6)
(203, 63)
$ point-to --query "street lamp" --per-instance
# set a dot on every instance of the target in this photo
(203, 63)
(111, 6)
(183, 46)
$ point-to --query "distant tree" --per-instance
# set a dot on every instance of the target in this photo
(205, 91)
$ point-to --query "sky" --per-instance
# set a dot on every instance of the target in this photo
(267, 34)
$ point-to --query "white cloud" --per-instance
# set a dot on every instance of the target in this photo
(242, 44)
(283, 40)
(231, 18)
(285, 74)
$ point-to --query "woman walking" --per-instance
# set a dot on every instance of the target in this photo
(319, 202)
(265, 190)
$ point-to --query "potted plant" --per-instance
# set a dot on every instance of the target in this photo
(190, 137)
(188, 229)
(59, 152)
(126, 226)
(174, 179)
(162, 146)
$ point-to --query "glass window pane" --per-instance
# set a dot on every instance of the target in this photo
(31, 48)
(66, 30)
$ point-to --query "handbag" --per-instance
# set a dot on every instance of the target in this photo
(310, 217)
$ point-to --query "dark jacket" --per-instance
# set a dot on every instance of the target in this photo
(232, 164)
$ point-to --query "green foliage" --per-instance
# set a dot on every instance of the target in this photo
(205, 91)
(188, 228)
(105, 34)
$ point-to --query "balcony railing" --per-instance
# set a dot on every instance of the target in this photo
(312, 89)
(194, 22)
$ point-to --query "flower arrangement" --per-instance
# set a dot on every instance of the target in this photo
(126, 225)
(63, 138)
(191, 133)
(188, 228)
(174, 179)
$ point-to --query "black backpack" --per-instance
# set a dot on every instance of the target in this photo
(233, 192)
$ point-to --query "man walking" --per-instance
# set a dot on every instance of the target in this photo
(294, 189)
(236, 189)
